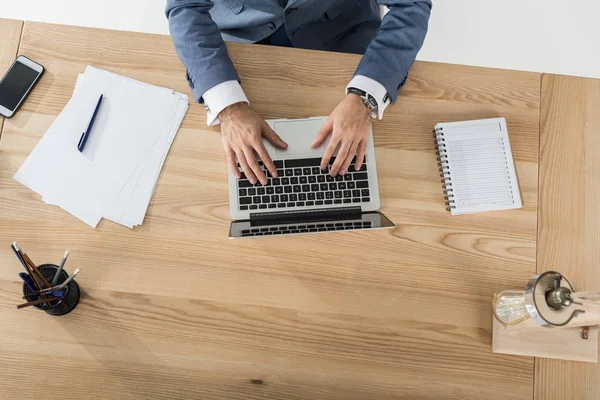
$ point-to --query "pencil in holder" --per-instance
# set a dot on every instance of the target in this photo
(61, 306)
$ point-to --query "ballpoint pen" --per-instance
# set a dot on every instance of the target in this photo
(59, 287)
(57, 293)
(27, 279)
(86, 134)
(60, 268)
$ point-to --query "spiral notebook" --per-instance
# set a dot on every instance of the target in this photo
(477, 166)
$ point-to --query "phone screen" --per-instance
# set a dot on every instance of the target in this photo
(16, 84)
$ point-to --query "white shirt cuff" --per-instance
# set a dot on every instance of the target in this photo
(373, 88)
(219, 97)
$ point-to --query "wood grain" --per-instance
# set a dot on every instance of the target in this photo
(174, 309)
(569, 213)
(10, 34)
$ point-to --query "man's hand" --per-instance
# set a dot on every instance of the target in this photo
(242, 130)
(350, 125)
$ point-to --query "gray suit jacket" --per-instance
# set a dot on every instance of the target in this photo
(390, 46)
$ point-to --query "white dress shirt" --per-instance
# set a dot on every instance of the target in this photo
(219, 97)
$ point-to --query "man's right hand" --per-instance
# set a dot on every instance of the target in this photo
(242, 130)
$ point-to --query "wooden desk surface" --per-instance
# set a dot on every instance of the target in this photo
(174, 309)
(569, 213)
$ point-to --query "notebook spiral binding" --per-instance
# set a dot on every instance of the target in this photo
(442, 157)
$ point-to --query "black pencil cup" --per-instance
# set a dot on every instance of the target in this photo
(57, 307)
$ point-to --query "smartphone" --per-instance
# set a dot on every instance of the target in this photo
(17, 83)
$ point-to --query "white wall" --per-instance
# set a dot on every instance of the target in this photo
(558, 36)
(129, 15)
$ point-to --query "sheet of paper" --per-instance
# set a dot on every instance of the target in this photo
(116, 173)
(130, 206)
(139, 202)
(123, 133)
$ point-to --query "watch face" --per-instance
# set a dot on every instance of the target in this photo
(372, 102)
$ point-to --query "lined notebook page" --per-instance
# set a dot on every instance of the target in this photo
(477, 166)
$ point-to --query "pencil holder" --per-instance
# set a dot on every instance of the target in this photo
(71, 292)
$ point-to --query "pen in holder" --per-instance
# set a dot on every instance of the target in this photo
(65, 299)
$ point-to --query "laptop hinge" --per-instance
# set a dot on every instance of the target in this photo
(284, 217)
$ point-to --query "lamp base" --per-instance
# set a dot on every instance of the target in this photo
(561, 343)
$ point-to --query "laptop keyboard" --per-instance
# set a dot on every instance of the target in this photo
(304, 228)
(301, 183)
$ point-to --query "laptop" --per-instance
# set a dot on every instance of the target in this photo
(303, 199)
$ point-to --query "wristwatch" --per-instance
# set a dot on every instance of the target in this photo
(369, 100)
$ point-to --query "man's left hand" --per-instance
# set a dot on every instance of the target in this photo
(350, 123)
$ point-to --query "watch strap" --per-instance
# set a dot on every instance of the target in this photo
(369, 100)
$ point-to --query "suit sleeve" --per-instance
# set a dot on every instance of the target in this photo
(394, 50)
(199, 45)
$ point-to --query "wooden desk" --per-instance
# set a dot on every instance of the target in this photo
(175, 309)
(569, 213)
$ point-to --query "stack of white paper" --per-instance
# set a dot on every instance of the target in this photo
(115, 175)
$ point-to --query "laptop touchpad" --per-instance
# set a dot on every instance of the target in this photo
(299, 136)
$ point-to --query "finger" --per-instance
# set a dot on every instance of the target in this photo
(231, 163)
(329, 152)
(360, 157)
(245, 167)
(272, 137)
(339, 159)
(323, 133)
(251, 159)
(349, 157)
(266, 158)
